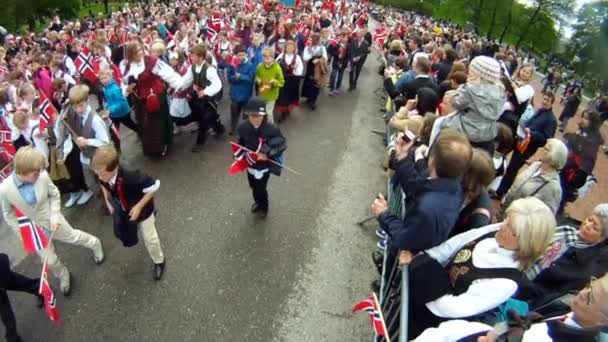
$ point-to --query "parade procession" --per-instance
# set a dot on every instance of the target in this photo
(422, 141)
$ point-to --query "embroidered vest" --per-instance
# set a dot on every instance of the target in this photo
(462, 272)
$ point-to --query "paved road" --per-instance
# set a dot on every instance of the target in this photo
(230, 277)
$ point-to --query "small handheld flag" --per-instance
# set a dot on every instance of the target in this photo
(34, 238)
(50, 303)
(371, 306)
(243, 158)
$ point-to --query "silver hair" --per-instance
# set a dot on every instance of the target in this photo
(558, 153)
(601, 210)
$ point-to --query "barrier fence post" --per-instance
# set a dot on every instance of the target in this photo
(405, 301)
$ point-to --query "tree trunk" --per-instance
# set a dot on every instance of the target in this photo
(509, 20)
(477, 19)
(527, 29)
(493, 21)
(105, 4)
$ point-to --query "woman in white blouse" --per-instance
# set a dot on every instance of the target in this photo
(313, 56)
(474, 272)
(293, 69)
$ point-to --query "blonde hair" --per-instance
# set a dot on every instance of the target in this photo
(558, 153)
(268, 52)
(19, 119)
(106, 72)
(106, 158)
(79, 93)
(28, 160)
(27, 89)
(533, 223)
(158, 47)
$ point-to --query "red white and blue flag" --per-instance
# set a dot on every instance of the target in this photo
(50, 303)
(33, 236)
(47, 112)
(87, 65)
(370, 305)
(243, 158)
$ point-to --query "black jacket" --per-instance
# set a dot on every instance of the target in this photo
(542, 127)
(410, 89)
(443, 68)
(128, 190)
(273, 143)
(357, 50)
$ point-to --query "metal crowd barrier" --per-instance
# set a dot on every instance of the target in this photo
(394, 282)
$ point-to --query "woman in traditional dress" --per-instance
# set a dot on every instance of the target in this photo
(313, 54)
(143, 83)
(293, 69)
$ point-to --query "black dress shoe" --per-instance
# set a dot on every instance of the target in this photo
(378, 259)
(159, 269)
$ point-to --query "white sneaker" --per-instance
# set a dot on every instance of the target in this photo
(74, 196)
(86, 196)
(98, 254)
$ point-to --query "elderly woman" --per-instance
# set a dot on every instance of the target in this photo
(588, 315)
(541, 178)
(575, 255)
(474, 272)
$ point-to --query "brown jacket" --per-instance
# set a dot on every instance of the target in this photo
(322, 73)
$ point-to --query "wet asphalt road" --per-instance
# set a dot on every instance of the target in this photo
(229, 276)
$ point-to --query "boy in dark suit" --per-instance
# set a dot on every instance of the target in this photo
(358, 48)
(129, 196)
(257, 134)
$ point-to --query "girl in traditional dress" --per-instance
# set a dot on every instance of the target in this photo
(293, 69)
(143, 82)
(179, 109)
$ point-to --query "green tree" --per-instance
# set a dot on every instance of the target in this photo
(17, 13)
(547, 7)
(588, 46)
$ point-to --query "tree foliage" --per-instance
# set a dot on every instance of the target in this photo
(506, 20)
(17, 13)
(588, 47)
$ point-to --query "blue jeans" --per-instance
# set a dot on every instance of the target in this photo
(335, 79)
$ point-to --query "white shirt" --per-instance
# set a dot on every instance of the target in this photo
(454, 330)
(186, 81)
(298, 67)
(100, 136)
(151, 188)
(483, 294)
(160, 69)
(312, 51)
(524, 93)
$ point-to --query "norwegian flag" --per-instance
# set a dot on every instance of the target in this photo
(211, 35)
(87, 65)
(370, 305)
(34, 238)
(5, 172)
(380, 36)
(8, 149)
(47, 112)
(249, 5)
(50, 302)
(243, 158)
(216, 21)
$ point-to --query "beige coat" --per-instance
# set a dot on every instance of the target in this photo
(47, 207)
(545, 187)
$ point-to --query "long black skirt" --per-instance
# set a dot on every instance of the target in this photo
(289, 96)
